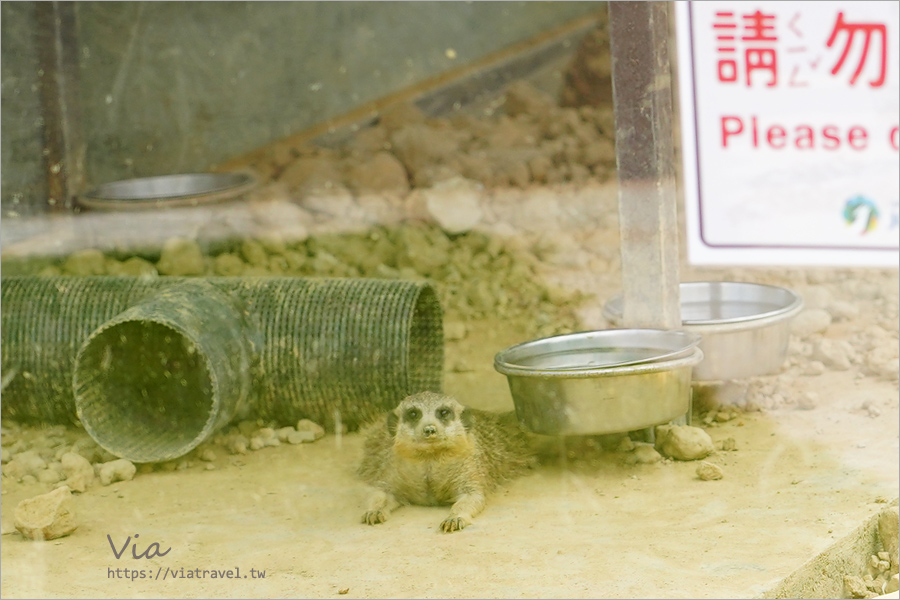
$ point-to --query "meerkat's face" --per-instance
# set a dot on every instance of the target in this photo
(430, 420)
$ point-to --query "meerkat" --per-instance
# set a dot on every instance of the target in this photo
(431, 450)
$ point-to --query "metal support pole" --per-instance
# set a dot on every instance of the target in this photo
(63, 143)
(645, 157)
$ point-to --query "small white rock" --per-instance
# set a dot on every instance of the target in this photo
(843, 311)
(300, 437)
(24, 464)
(707, 471)
(810, 321)
(49, 476)
(626, 445)
(643, 454)
(116, 470)
(454, 204)
(808, 401)
(263, 438)
(832, 354)
(893, 584)
(283, 433)
(237, 444)
(307, 425)
(813, 368)
(683, 442)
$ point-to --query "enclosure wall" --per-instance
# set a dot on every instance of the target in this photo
(181, 86)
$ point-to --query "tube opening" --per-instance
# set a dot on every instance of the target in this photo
(144, 390)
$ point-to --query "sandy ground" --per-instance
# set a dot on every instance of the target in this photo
(584, 524)
(816, 447)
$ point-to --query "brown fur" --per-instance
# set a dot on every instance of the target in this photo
(432, 458)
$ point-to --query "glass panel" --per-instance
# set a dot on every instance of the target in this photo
(270, 370)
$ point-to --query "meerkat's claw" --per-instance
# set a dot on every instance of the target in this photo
(374, 517)
(451, 524)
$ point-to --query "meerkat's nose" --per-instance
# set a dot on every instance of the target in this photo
(429, 430)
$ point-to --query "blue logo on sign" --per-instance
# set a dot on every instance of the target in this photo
(860, 209)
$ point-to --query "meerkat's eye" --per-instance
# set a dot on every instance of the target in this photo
(413, 414)
(444, 413)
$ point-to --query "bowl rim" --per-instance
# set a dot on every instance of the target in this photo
(664, 360)
(612, 308)
(186, 189)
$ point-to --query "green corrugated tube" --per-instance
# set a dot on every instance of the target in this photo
(153, 367)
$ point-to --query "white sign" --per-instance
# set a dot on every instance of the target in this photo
(789, 118)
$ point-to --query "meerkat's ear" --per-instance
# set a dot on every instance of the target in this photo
(392, 420)
(465, 417)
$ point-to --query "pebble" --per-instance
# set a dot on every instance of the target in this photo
(454, 204)
(85, 262)
(254, 253)
(208, 455)
(309, 426)
(683, 442)
(626, 445)
(854, 587)
(810, 321)
(27, 463)
(808, 401)
(893, 584)
(832, 354)
(727, 445)
(882, 361)
(312, 174)
(228, 265)
(283, 433)
(707, 471)
(49, 476)
(264, 438)
(116, 470)
(382, 172)
(181, 257)
(871, 409)
(723, 416)
(813, 368)
(237, 444)
(843, 311)
(89, 449)
(643, 455)
(46, 517)
(133, 267)
(300, 437)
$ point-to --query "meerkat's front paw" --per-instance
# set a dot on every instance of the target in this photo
(374, 517)
(454, 523)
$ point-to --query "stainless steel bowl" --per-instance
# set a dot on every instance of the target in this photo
(600, 382)
(168, 190)
(745, 327)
